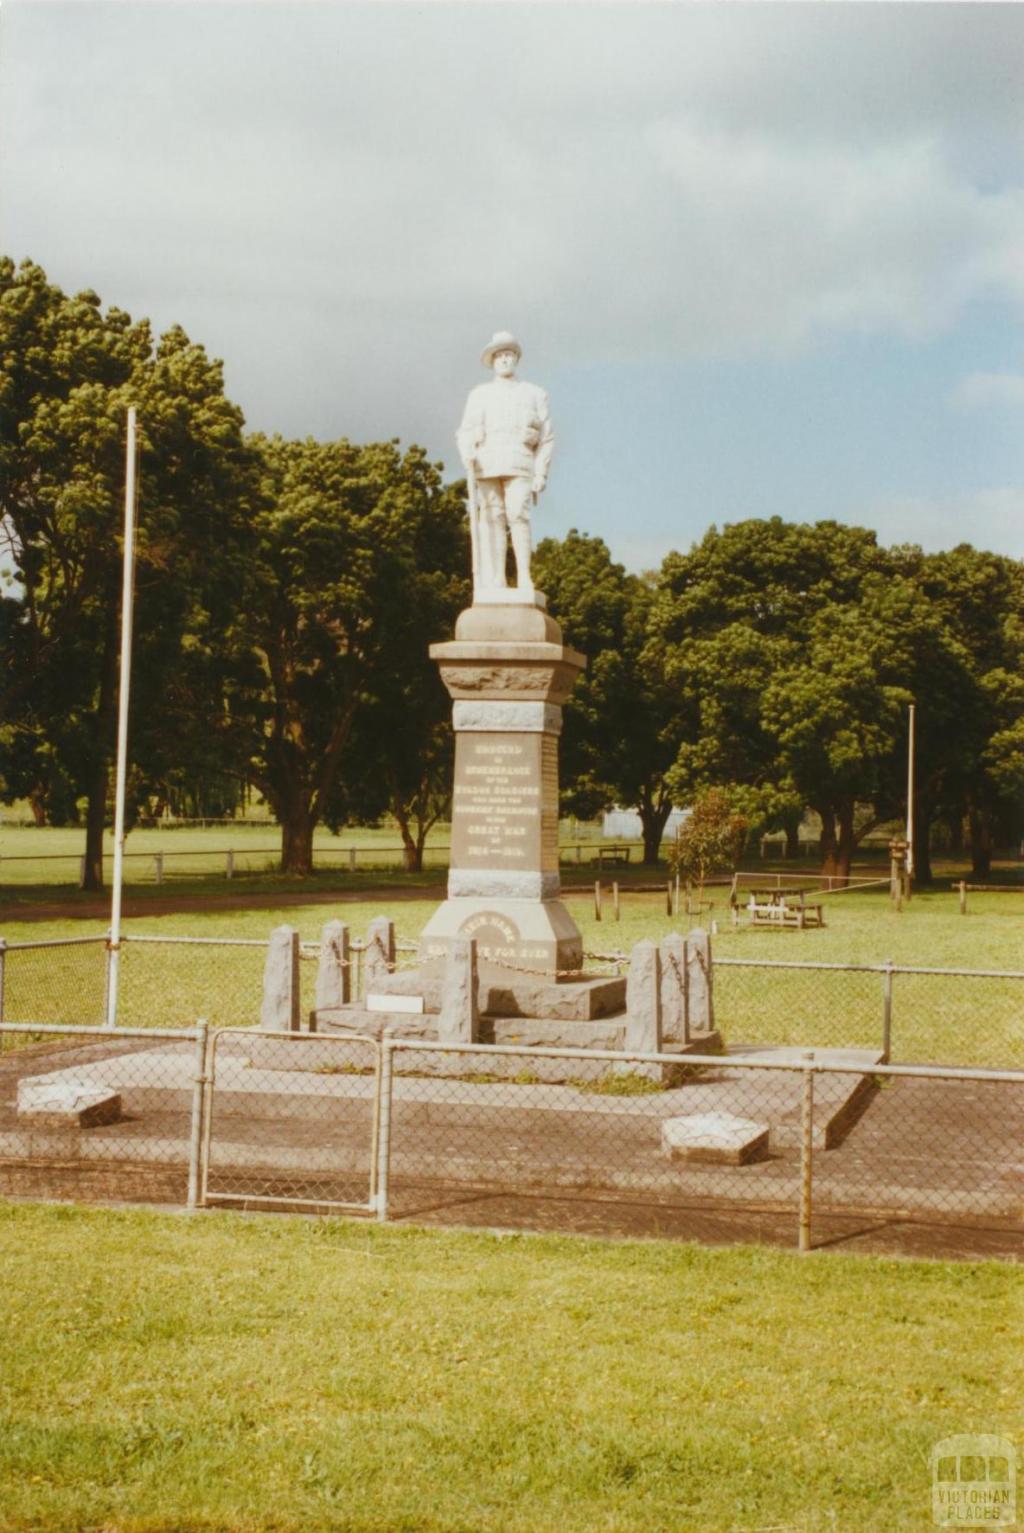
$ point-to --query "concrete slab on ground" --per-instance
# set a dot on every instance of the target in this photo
(252, 1080)
(59, 1102)
(455, 1140)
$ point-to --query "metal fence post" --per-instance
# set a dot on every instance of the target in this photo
(3, 967)
(109, 981)
(229, 863)
(963, 898)
(384, 1128)
(158, 867)
(887, 1011)
(352, 858)
(198, 1105)
(806, 1152)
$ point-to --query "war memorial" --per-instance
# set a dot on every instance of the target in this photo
(501, 960)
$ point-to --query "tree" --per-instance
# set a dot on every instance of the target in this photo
(68, 371)
(622, 723)
(971, 753)
(358, 562)
(710, 838)
(799, 648)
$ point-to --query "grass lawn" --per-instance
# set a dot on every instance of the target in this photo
(969, 1021)
(42, 858)
(31, 856)
(228, 1372)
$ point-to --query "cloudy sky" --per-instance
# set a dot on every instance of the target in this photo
(766, 259)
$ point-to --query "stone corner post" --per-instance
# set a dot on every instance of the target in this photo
(333, 971)
(459, 1021)
(674, 1020)
(379, 958)
(280, 1010)
(643, 1000)
(699, 969)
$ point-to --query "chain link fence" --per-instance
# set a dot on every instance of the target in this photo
(292, 1119)
(964, 1017)
(89, 1114)
(807, 1151)
(969, 1017)
(58, 981)
(709, 1148)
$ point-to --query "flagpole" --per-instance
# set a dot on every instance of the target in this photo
(910, 794)
(127, 602)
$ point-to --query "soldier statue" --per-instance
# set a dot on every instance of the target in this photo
(505, 442)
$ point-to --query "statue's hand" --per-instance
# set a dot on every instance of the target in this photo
(538, 484)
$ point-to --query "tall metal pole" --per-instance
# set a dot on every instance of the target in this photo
(127, 602)
(910, 795)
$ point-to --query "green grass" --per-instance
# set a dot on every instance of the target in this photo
(220, 1372)
(969, 1021)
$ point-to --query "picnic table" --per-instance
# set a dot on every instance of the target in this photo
(782, 908)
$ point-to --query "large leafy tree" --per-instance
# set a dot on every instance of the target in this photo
(800, 648)
(972, 750)
(731, 627)
(358, 564)
(68, 371)
(839, 709)
(623, 722)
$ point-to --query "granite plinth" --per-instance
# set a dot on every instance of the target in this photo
(508, 993)
(508, 673)
(520, 1033)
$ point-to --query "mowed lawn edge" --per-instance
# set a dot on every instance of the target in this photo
(234, 1372)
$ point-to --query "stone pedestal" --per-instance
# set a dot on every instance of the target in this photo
(508, 674)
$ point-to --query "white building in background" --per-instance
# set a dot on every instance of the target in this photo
(624, 824)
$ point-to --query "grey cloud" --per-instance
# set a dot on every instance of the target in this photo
(338, 197)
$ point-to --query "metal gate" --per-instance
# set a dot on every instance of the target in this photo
(292, 1118)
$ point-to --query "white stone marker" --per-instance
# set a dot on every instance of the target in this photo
(67, 1104)
(714, 1136)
